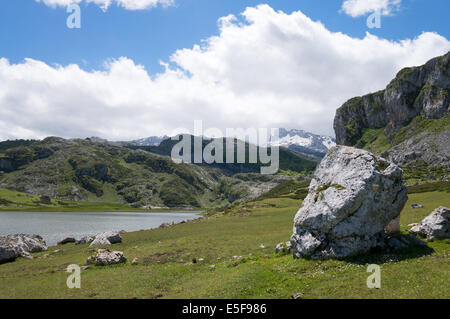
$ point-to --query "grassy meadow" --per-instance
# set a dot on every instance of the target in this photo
(232, 264)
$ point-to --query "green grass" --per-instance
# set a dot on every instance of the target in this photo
(165, 270)
(17, 201)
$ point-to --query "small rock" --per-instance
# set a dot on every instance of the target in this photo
(413, 224)
(85, 268)
(298, 295)
(135, 261)
(164, 225)
(416, 206)
(212, 267)
(84, 240)
(107, 238)
(67, 240)
(262, 246)
(201, 259)
(434, 226)
(105, 257)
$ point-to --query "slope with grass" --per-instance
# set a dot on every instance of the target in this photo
(230, 240)
(89, 172)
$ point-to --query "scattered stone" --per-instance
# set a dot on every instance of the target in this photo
(282, 247)
(14, 246)
(201, 259)
(67, 240)
(212, 267)
(164, 225)
(416, 206)
(135, 261)
(85, 268)
(107, 238)
(56, 251)
(262, 246)
(434, 226)
(84, 240)
(122, 232)
(352, 198)
(298, 295)
(105, 257)
(413, 224)
(266, 256)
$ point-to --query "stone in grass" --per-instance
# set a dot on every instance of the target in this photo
(282, 247)
(434, 226)
(352, 198)
(84, 240)
(67, 240)
(105, 257)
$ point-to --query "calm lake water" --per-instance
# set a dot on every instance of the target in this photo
(55, 226)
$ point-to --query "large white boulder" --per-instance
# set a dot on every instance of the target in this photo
(354, 202)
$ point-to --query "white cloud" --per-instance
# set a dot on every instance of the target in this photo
(104, 4)
(271, 69)
(357, 8)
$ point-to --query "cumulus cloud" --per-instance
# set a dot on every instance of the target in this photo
(105, 4)
(265, 69)
(357, 8)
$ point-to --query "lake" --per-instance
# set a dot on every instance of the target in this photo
(54, 226)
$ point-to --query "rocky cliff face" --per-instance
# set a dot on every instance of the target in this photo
(417, 93)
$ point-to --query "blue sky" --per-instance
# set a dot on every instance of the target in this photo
(271, 64)
(31, 29)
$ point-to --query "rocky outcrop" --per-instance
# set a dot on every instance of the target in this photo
(415, 91)
(108, 238)
(352, 198)
(422, 91)
(14, 246)
(434, 226)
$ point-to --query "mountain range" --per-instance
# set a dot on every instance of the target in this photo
(407, 123)
(296, 140)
